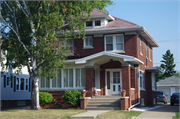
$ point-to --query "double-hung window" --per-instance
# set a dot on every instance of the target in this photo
(70, 43)
(88, 42)
(141, 80)
(114, 42)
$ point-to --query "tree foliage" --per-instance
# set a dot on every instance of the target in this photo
(167, 66)
(33, 36)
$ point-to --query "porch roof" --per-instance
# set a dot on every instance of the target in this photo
(155, 69)
(126, 58)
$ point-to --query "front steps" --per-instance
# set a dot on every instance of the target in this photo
(104, 103)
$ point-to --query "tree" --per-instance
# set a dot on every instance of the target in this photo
(32, 35)
(167, 66)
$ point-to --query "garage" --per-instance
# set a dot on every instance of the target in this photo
(169, 86)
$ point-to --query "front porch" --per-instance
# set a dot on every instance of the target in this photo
(109, 73)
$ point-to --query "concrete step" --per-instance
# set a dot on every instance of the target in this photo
(107, 97)
(103, 105)
(102, 108)
(104, 102)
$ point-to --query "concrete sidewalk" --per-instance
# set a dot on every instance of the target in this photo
(89, 114)
(164, 112)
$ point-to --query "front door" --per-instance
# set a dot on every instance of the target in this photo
(113, 81)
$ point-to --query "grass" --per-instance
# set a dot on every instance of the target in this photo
(41, 114)
(118, 114)
(176, 116)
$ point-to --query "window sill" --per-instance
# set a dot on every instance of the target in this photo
(149, 60)
(118, 51)
(88, 47)
(115, 51)
(142, 89)
(141, 54)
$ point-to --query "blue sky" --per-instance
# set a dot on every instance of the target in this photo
(159, 17)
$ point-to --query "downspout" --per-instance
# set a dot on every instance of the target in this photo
(139, 95)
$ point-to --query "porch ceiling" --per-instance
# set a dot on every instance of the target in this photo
(125, 58)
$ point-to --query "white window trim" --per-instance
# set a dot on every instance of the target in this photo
(149, 53)
(84, 43)
(114, 44)
(93, 23)
(141, 47)
(142, 88)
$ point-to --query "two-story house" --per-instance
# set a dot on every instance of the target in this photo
(116, 54)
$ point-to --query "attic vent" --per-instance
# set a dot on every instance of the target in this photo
(110, 20)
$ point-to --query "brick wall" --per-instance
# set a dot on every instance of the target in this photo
(83, 103)
(124, 103)
(14, 103)
(89, 81)
(126, 81)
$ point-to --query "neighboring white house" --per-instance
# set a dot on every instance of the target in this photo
(15, 89)
(169, 86)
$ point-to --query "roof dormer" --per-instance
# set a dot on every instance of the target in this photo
(98, 19)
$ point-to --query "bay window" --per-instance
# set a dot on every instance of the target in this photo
(114, 42)
(68, 77)
(56, 82)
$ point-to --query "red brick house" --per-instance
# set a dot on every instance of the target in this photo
(116, 54)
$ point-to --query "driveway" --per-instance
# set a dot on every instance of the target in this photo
(165, 112)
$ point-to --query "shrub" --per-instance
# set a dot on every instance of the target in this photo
(72, 97)
(45, 97)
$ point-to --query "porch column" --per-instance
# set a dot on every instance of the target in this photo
(126, 81)
(90, 81)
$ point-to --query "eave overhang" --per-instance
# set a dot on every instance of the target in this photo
(154, 69)
(140, 30)
(125, 58)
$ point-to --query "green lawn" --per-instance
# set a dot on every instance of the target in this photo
(41, 114)
(177, 116)
(118, 114)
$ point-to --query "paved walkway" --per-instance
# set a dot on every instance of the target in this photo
(89, 114)
(164, 112)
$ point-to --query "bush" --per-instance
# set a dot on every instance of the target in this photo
(72, 97)
(45, 97)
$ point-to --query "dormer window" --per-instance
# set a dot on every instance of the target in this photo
(98, 23)
(89, 23)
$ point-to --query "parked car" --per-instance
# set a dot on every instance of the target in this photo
(175, 98)
(161, 97)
